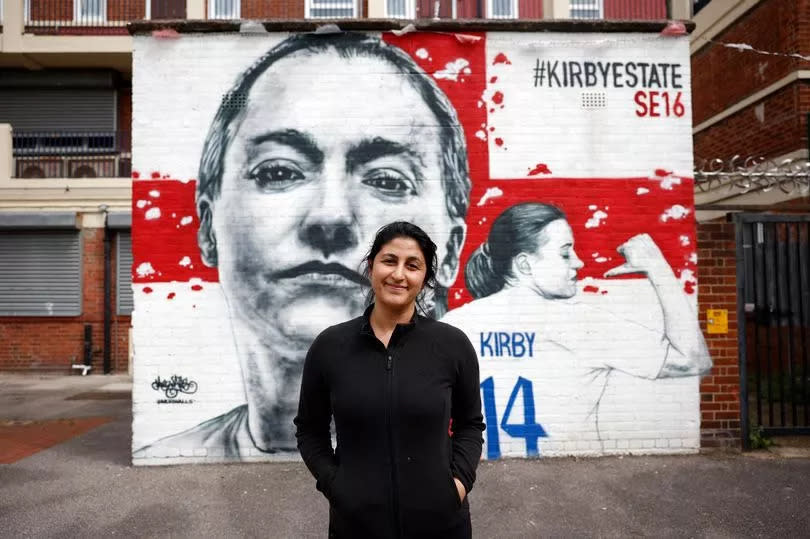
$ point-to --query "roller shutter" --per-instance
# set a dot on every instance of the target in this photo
(123, 291)
(50, 109)
(40, 273)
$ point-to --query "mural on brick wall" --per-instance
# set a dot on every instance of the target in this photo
(552, 170)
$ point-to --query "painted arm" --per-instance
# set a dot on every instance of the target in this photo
(687, 354)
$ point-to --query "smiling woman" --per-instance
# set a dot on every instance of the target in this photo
(401, 267)
(393, 380)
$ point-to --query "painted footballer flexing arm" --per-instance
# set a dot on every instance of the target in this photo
(687, 354)
(531, 246)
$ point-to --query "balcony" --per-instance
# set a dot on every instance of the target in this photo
(55, 169)
(525, 9)
(109, 17)
(77, 154)
(40, 34)
(66, 17)
(449, 9)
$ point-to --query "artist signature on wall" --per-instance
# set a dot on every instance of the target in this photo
(175, 385)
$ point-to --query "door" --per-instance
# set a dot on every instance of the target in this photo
(773, 292)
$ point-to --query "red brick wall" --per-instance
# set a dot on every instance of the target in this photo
(126, 10)
(782, 129)
(54, 343)
(261, 9)
(720, 390)
(530, 9)
(634, 9)
(722, 76)
(51, 10)
(62, 10)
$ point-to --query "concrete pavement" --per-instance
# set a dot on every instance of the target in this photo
(86, 486)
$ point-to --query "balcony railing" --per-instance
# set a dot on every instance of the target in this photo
(618, 9)
(436, 9)
(60, 154)
(95, 16)
(525, 9)
(111, 16)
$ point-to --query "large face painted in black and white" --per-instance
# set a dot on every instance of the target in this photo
(329, 149)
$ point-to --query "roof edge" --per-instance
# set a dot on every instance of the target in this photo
(184, 26)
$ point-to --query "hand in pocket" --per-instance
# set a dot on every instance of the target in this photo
(462, 492)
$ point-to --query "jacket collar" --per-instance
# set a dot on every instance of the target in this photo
(366, 329)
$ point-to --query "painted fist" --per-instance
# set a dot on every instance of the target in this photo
(642, 255)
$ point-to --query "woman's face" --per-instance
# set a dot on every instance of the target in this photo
(554, 266)
(398, 274)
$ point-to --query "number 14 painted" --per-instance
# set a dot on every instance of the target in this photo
(530, 429)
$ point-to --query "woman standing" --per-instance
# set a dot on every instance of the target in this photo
(393, 380)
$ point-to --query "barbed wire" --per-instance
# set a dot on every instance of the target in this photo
(744, 174)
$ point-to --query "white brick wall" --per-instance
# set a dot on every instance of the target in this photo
(514, 124)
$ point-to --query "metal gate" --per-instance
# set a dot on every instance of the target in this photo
(773, 287)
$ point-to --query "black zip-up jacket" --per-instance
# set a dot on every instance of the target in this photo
(391, 474)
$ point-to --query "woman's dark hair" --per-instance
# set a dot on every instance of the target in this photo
(404, 229)
(516, 230)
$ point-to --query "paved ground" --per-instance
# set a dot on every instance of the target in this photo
(85, 486)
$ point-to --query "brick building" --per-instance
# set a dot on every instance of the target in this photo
(65, 112)
(65, 188)
(751, 98)
(65, 154)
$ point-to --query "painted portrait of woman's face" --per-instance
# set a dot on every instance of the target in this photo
(555, 264)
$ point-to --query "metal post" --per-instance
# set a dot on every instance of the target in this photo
(88, 344)
(741, 331)
(107, 294)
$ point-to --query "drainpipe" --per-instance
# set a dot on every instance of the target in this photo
(807, 125)
(107, 291)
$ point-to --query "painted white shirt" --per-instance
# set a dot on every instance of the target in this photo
(586, 364)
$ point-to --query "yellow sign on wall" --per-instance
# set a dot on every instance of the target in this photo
(717, 320)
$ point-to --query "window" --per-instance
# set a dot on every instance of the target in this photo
(400, 9)
(123, 265)
(224, 9)
(586, 9)
(89, 11)
(697, 5)
(40, 273)
(331, 9)
(503, 9)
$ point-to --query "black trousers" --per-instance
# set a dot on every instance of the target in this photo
(462, 530)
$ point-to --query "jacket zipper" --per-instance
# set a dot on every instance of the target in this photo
(392, 453)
